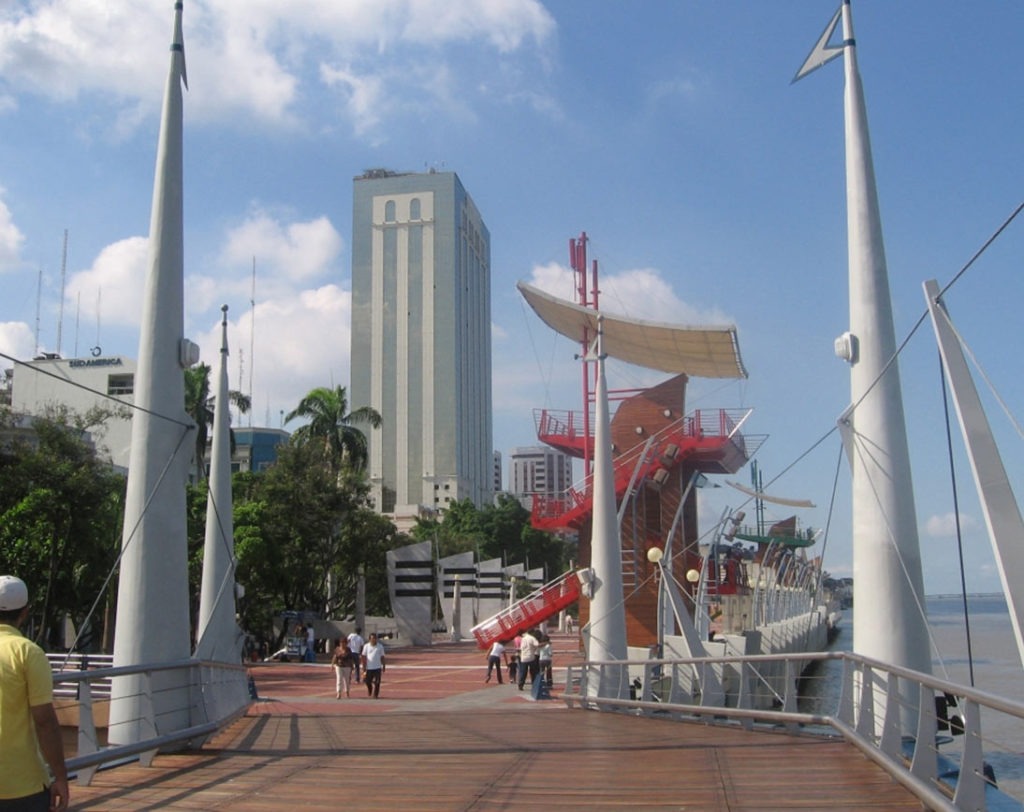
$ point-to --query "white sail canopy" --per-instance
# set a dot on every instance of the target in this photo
(776, 500)
(705, 352)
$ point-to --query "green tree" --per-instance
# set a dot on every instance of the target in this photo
(501, 530)
(199, 404)
(331, 425)
(60, 517)
(298, 526)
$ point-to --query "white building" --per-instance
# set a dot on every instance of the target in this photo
(81, 384)
(539, 470)
(498, 482)
(421, 340)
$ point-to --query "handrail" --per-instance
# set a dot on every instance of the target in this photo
(216, 694)
(874, 697)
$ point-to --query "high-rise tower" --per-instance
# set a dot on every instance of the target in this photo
(421, 339)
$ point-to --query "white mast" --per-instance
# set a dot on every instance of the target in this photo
(998, 503)
(152, 600)
(607, 627)
(888, 610)
(218, 634)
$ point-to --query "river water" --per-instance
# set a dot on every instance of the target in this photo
(996, 669)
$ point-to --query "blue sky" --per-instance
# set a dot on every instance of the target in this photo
(712, 191)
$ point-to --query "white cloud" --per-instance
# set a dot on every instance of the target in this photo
(505, 24)
(295, 251)
(640, 293)
(944, 525)
(300, 341)
(256, 57)
(363, 96)
(16, 340)
(112, 288)
(11, 239)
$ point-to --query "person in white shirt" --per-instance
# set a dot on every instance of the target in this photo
(373, 665)
(355, 645)
(494, 658)
(529, 657)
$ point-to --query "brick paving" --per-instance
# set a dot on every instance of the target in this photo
(440, 739)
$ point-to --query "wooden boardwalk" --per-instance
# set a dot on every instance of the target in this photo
(439, 739)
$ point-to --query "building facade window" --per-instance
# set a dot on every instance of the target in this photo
(121, 384)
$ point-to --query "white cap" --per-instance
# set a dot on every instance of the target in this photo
(13, 593)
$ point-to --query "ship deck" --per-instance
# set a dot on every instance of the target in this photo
(440, 739)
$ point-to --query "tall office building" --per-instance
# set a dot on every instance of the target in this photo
(421, 339)
(539, 470)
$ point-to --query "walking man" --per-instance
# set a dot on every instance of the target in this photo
(28, 723)
(373, 665)
(355, 645)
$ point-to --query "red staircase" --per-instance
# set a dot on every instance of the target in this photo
(706, 440)
(532, 610)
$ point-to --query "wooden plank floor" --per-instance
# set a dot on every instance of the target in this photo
(439, 739)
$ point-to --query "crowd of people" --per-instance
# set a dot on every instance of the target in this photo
(528, 654)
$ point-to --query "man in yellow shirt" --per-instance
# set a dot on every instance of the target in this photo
(29, 730)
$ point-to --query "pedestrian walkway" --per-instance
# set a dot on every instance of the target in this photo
(440, 739)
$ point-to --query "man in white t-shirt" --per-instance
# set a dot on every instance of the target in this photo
(355, 645)
(373, 665)
(494, 658)
(529, 657)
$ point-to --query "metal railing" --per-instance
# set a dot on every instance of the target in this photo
(209, 695)
(946, 743)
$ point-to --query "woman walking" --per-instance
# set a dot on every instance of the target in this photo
(343, 661)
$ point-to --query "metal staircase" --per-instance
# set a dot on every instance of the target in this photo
(708, 441)
(532, 610)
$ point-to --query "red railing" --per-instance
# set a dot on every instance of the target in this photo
(532, 610)
(708, 440)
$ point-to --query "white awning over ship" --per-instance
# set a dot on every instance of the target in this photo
(703, 352)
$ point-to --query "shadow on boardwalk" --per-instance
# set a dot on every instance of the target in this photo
(440, 739)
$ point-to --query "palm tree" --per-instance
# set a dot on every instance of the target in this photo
(199, 405)
(331, 423)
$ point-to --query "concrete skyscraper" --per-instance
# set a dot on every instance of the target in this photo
(421, 339)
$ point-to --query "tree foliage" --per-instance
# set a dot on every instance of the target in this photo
(61, 510)
(333, 427)
(302, 534)
(502, 530)
(199, 404)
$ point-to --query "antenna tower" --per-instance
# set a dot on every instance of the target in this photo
(39, 297)
(252, 337)
(241, 373)
(78, 318)
(99, 312)
(63, 278)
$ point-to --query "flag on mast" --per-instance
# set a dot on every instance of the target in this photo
(822, 53)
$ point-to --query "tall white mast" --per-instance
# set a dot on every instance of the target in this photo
(607, 626)
(888, 611)
(152, 599)
(218, 633)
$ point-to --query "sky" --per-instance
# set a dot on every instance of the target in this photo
(710, 187)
